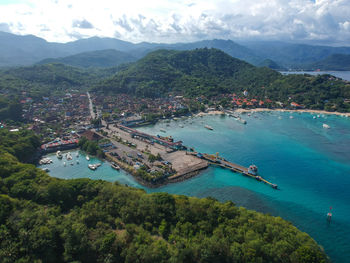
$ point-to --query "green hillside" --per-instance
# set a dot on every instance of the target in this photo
(197, 72)
(45, 219)
(333, 62)
(43, 80)
(100, 58)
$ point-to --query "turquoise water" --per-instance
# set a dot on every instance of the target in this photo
(310, 164)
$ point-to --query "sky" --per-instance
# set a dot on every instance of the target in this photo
(169, 21)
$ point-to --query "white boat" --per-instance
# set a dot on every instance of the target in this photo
(92, 166)
(59, 155)
(115, 166)
(326, 126)
(69, 157)
(77, 162)
(208, 127)
(162, 130)
(87, 157)
(64, 163)
(291, 117)
(242, 121)
(45, 161)
(181, 126)
(77, 155)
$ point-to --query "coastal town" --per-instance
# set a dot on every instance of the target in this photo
(111, 122)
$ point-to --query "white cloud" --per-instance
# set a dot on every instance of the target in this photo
(181, 20)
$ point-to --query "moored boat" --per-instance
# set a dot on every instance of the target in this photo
(87, 157)
(253, 169)
(326, 126)
(208, 127)
(115, 166)
(59, 155)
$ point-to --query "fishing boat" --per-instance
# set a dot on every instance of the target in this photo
(45, 161)
(87, 157)
(59, 155)
(162, 130)
(326, 126)
(208, 127)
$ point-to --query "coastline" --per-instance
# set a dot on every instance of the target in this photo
(280, 110)
(301, 110)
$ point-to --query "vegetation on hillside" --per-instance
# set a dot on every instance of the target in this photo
(211, 72)
(98, 58)
(333, 62)
(44, 219)
(199, 72)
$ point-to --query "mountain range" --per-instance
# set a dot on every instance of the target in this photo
(18, 50)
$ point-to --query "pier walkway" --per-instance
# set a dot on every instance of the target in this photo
(219, 161)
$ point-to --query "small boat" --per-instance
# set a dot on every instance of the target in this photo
(208, 127)
(326, 126)
(314, 117)
(77, 155)
(92, 166)
(291, 117)
(69, 156)
(64, 163)
(46, 170)
(77, 162)
(115, 166)
(181, 126)
(72, 164)
(242, 121)
(87, 157)
(162, 130)
(59, 155)
(253, 170)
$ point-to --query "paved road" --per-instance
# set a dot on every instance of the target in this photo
(92, 113)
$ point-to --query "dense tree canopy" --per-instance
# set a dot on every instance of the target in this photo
(44, 219)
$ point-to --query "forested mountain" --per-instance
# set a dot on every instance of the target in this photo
(100, 59)
(26, 50)
(45, 219)
(333, 62)
(191, 73)
(211, 72)
(42, 80)
(293, 55)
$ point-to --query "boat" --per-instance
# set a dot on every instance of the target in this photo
(77, 162)
(64, 163)
(46, 170)
(59, 155)
(77, 154)
(326, 126)
(69, 157)
(87, 157)
(45, 161)
(181, 126)
(162, 130)
(92, 166)
(253, 169)
(291, 117)
(208, 127)
(115, 166)
(71, 163)
(242, 121)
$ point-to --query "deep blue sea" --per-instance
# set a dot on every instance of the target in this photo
(310, 164)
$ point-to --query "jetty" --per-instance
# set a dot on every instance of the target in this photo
(251, 171)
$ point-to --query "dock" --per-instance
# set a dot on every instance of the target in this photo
(219, 161)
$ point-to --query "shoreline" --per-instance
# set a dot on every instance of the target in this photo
(286, 110)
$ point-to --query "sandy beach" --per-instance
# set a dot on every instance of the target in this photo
(283, 110)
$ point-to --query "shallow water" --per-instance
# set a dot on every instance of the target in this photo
(310, 164)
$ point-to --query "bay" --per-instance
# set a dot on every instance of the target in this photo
(310, 164)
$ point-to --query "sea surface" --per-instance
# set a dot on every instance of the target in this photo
(340, 74)
(310, 164)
